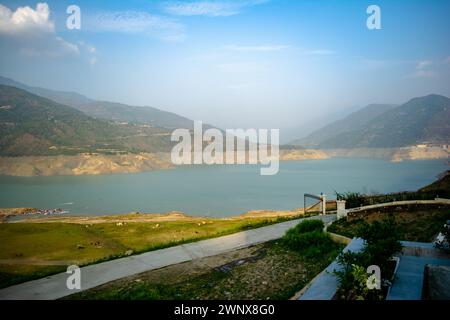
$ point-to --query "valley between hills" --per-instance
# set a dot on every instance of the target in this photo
(47, 133)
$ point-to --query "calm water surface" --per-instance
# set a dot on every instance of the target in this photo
(215, 190)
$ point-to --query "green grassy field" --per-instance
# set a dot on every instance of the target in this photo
(33, 250)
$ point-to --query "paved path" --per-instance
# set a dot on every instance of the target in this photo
(325, 285)
(409, 277)
(54, 287)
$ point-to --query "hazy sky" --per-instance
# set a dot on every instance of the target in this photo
(248, 63)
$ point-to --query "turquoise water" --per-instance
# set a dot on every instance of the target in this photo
(216, 190)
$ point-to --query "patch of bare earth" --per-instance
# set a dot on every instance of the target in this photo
(146, 217)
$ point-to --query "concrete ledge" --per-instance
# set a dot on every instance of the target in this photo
(422, 249)
(399, 203)
(325, 286)
(339, 238)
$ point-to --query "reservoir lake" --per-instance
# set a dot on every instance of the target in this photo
(216, 191)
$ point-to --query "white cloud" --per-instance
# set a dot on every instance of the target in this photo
(423, 64)
(31, 32)
(375, 64)
(25, 19)
(210, 8)
(320, 52)
(424, 69)
(135, 22)
(89, 51)
(260, 48)
(93, 61)
(70, 47)
(412, 68)
(248, 67)
(424, 74)
(51, 48)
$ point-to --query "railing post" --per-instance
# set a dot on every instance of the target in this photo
(340, 207)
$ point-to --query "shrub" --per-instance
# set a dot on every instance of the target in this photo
(310, 244)
(444, 241)
(381, 244)
(308, 238)
(352, 199)
(356, 199)
(353, 278)
(382, 241)
(309, 225)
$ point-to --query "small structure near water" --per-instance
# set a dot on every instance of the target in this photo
(46, 212)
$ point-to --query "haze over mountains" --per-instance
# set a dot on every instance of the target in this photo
(306, 127)
(420, 120)
(108, 110)
(37, 121)
(353, 121)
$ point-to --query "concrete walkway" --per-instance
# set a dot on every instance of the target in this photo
(410, 273)
(408, 280)
(325, 285)
(54, 287)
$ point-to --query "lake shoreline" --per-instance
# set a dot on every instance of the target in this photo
(6, 213)
(102, 164)
(214, 191)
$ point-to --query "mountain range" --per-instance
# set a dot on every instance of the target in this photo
(422, 120)
(108, 110)
(38, 121)
(353, 121)
(33, 125)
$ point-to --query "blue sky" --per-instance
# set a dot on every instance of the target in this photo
(244, 63)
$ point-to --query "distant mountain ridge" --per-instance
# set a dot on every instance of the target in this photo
(68, 98)
(33, 125)
(290, 134)
(354, 121)
(420, 120)
(108, 110)
(137, 115)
